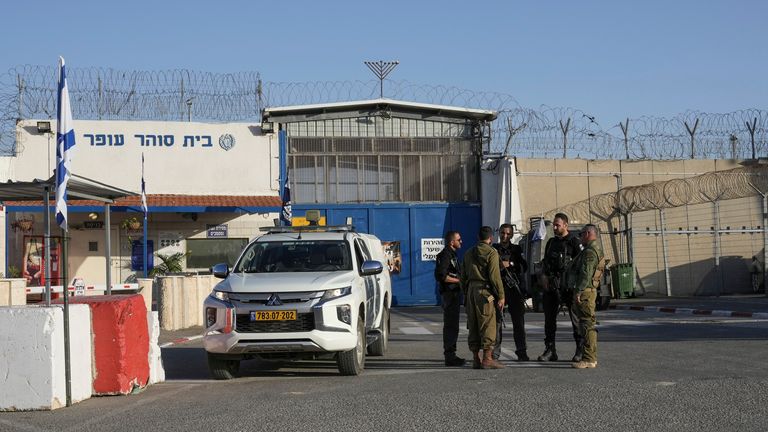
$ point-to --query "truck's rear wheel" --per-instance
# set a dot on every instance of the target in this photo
(352, 362)
(222, 368)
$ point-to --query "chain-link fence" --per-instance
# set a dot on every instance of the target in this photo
(549, 132)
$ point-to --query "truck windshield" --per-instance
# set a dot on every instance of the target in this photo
(295, 256)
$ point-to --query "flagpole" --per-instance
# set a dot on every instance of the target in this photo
(65, 141)
(146, 259)
(145, 208)
(47, 245)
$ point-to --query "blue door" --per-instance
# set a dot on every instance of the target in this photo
(408, 225)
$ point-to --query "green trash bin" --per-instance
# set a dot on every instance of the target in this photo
(623, 280)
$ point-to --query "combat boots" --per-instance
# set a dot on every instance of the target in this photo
(489, 362)
(476, 362)
(579, 352)
(550, 354)
(522, 356)
(584, 364)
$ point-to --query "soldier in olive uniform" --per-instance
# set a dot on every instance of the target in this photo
(484, 293)
(584, 279)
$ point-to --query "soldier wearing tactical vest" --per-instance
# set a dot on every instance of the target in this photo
(558, 254)
(583, 279)
(484, 293)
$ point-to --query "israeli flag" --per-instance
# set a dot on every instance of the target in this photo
(143, 188)
(65, 140)
(541, 230)
(286, 214)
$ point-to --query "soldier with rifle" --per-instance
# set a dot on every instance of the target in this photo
(512, 265)
(558, 254)
(584, 282)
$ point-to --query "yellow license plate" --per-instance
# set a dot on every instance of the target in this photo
(277, 315)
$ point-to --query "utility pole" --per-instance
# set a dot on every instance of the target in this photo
(564, 128)
(692, 132)
(625, 130)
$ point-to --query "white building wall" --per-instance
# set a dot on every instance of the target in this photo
(184, 158)
(180, 157)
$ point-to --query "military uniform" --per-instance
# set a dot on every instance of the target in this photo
(514, 296)
(584, 279)
(558, 254)
(482, 286)
(447, 264)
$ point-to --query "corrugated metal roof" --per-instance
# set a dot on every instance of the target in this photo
(77, 187)
(382, 102)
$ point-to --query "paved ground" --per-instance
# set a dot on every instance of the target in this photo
(657, 371)
(755, 303)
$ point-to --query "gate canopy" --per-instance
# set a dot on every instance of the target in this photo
(77, 187)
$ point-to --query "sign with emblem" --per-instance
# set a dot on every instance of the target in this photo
(227, 142)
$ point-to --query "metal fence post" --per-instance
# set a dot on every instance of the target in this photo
(664, 250)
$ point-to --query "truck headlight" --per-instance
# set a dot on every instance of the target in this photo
(220, 295)
(335, 293)
(210, 316)
(344, 313)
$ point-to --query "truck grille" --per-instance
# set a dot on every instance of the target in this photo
(304, 322)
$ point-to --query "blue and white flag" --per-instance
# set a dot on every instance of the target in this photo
(286, 214)
(143, 188)
(65, 140)
(541, 230)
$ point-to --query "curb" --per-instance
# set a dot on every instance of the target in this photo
(180, 341)
(690, 311)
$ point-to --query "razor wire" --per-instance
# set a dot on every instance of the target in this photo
(28, 92)
(705, 188)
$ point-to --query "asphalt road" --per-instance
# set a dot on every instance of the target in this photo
(656, 372)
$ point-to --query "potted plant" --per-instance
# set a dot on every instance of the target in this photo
(23, 224)
(131, 224)
(173, 263)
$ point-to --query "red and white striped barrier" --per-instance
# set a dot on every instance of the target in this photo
(80, 289)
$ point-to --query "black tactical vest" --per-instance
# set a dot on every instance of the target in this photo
(559, 253)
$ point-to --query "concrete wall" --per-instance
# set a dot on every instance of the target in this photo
(546, 185)
(13, 292)
(32, 357)
(180, 300)
(91, 265)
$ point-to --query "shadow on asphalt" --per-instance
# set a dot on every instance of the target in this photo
(191, 364)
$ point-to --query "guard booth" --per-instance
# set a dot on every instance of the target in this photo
(403, 171)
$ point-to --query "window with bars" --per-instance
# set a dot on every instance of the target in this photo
(347, 169)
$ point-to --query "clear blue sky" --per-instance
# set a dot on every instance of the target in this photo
(611, 59)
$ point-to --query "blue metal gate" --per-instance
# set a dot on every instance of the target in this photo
(408, 224)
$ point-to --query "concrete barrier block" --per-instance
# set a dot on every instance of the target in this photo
(120, 343)
(189, 292)
(13, 292)
(204, 289)
(32, 375)
(168, 303)
(145, 289)
(177, 283)
(156, 370)
(180, 300)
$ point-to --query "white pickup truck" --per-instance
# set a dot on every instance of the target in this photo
(300, 292)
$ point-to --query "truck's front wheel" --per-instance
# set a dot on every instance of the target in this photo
(223, 368)
(352, 362)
